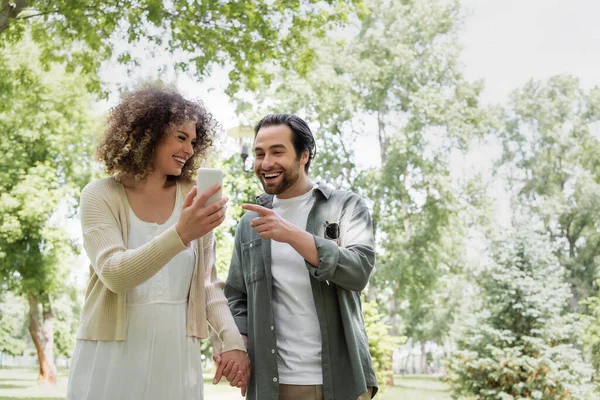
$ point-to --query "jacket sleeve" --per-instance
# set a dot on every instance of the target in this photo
(118, 267)
(217, 312)
(349, 266)
(235, 287)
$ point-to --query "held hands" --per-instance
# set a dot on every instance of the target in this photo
(270, 225)
(234, 365)
(196, 219)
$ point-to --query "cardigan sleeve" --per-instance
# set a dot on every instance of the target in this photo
(217, 310)
(119, 268)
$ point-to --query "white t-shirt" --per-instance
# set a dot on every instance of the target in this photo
(298, 333)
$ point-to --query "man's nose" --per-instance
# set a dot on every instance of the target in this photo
(267, 162)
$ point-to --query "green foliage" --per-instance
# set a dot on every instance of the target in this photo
(521, 343)
(550, 146)
(47, 148)
(394, 80)
(240, 34)
(381, 343)
(46, 144)
(14, 323)
(239, 185)
(11, 323)
(591, 336)
(66, 309)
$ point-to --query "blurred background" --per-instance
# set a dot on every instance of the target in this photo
(470, 127)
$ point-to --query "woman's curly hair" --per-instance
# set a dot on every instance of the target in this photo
(140, 121)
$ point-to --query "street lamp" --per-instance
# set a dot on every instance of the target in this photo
(244, 134)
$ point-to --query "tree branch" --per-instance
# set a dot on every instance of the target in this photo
(28, 16)
(348, 160)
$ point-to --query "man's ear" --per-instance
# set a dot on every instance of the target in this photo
(304, 158)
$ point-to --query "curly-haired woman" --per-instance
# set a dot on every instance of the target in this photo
(153, 288)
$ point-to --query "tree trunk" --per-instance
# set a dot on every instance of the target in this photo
(393, 313)
(7, 12)
(424, 369)
(42, 334)
(373, 290)
(408, 359)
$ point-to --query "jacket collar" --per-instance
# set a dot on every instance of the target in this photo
(266, 200)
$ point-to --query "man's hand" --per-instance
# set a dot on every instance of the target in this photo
(235, 366)
(217, 356)
(270, 225)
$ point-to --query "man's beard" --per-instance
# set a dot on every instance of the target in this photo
(288, 179)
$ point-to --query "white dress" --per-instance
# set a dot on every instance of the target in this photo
(157, 361)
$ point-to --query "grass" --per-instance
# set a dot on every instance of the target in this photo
(20, 383)
(421, 387)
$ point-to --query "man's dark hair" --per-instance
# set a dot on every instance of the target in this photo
(302, 137)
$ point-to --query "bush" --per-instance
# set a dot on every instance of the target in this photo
(522, 344)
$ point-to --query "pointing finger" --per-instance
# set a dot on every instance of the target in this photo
(257, 209)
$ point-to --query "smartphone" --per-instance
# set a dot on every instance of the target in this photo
(207, 177)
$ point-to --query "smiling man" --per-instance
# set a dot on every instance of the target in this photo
(302, 256)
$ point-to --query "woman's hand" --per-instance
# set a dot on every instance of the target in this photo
(196, 219)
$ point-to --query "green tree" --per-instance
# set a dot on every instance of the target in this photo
(394, 78)
(521, 343)
(47, 129)
(239, 34)
(550, 157)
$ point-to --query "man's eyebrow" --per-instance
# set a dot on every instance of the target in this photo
(273, 147)
(277, 146)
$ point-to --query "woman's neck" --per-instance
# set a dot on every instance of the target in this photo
(151, 184)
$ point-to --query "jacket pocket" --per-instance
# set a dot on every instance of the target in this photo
(252, 255)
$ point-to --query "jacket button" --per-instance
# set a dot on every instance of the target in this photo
(275, 379)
